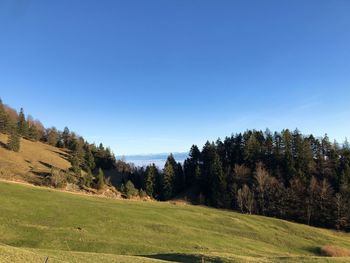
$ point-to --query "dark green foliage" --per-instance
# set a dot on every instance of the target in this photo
(22, 124)
(87, 179)
(104, 157)
(66, 137)
(100, 179)
(14, 140)
(89, 159)
(75, 162)
(191, 167)
(168, 178)
(213, 179)
(150, 181)
(129, 190)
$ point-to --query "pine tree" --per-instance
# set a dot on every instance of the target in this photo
(168, 178)
(191, 167)
(151, 175)
(22, 124)
(218, 178)
(14, 140)
(100, 179)
(89, 158)
(66, 137)
(75, 162)
(212, 179)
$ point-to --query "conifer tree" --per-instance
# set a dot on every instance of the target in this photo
(22, 124)
(89, 158)
(75, 162)
(168, 178)
(66, 137)
(151, 176)
(100, 179)
(14, 140)
(218, 178)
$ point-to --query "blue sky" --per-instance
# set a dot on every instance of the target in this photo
(158, 76)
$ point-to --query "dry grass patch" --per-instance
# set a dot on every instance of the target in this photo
(33, 159)
(335, 251)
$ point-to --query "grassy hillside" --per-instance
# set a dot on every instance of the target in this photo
(33, 160)
(37, 222)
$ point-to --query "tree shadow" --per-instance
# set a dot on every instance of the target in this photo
(62, 155)
(3, 145)
(41, 174)
(315, 250)
(188, 258)
(47, 165)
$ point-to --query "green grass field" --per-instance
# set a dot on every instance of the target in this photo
(38, 222)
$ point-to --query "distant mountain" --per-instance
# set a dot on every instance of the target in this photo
(158, 159)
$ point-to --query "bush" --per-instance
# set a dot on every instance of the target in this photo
(100, 184)
(86, 180)
(142, 193)
(334, 251)
(129, 189)
(58, 178)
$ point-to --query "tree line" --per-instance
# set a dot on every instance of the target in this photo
(284, 174)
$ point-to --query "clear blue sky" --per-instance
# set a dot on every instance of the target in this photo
(158, 76)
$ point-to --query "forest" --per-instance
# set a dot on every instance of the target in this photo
(285, 174)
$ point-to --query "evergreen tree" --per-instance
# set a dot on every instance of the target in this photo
(213, 179)
(89, 159)
(87, 179)
(218, 189)
(191, 167)
(179, 183)
(22, 125)
(14, 140)
(151, 176)
(100, 184)
(129, 189)
(75, 162)
(168, 178)
(66, 137)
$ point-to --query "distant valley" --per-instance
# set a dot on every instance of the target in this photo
(159, 159)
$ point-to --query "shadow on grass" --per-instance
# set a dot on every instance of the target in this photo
(41, 174)
(47, 165)
(62, 155)
(188, 258)
(3, 145)
(315, 250)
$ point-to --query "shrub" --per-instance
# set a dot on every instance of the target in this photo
(100, 184)
(142, 193)
(129, 189)
(86, 180)
(334, 251)
(58, 178)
